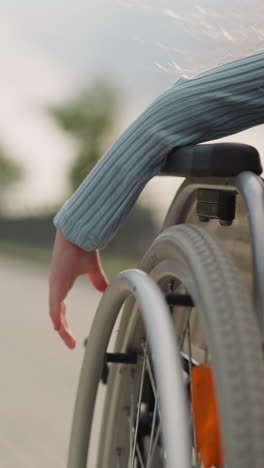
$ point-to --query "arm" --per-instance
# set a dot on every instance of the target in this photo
(219, 102)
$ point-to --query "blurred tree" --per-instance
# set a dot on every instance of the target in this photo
(10, 173)
(90, 117)
(135, 234)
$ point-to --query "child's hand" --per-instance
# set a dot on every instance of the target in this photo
(68, 262)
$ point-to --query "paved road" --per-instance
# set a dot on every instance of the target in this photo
(38, 374)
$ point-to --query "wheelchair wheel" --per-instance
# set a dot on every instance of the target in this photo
(221, 355)
(165, 365)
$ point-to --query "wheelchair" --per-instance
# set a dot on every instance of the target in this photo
(184, 384)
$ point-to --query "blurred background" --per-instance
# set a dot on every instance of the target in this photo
(73, 75)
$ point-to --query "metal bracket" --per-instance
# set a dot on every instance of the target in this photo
(117, 358)
(179, 299)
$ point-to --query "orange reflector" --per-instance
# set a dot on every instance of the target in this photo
(205, 415)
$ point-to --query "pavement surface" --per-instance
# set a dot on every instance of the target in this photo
(39, 375)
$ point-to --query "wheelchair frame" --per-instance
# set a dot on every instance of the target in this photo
(250, 187)
(249, 200)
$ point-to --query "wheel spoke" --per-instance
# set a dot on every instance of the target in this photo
(139, 457)
(185, 328)
(139, 407)
(152, 381)
(131, 416)
(189, 337)
(152, 433)
(189, 350)
(154, 444)
(151, 377)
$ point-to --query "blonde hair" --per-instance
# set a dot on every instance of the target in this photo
(228, 35)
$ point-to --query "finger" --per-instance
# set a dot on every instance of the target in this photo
(58, 290)
(67, 337)
(55, 306)
(65, 332)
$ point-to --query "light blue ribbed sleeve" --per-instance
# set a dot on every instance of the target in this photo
(216, 103)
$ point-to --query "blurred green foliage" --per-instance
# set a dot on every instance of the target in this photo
(90, 117)
(10, 173)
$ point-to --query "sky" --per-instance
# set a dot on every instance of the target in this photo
(49, 50)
